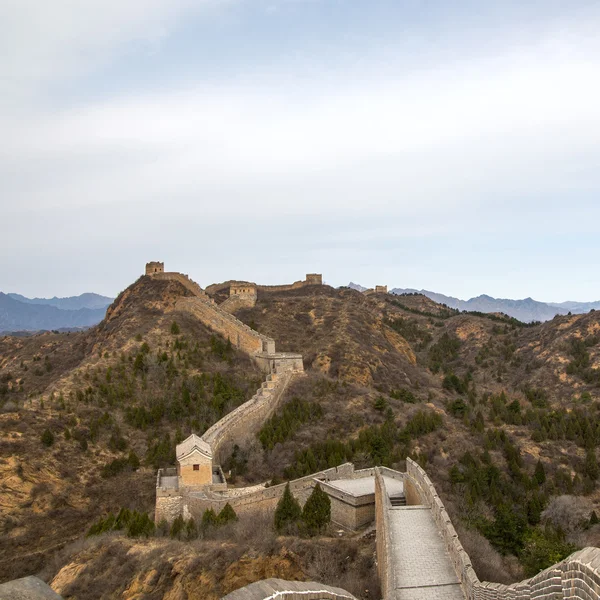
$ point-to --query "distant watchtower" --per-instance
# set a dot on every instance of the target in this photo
(155, 267)
(381, 289)
(243, 290)
(314, 279)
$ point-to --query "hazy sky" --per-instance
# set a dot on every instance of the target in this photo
(453, 146)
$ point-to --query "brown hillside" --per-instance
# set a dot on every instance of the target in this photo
(86, 388)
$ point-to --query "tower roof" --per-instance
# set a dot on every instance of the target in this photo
(190, 444)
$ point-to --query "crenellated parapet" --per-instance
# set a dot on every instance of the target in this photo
(575, 578)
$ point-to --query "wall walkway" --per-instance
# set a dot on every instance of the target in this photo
(575, 578)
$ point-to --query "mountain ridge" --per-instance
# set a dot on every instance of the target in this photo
(526, 309)
(22, 316)
(85, 300)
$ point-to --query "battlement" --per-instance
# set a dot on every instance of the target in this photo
(153, 267)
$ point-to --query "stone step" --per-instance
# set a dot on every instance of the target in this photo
(398, 500)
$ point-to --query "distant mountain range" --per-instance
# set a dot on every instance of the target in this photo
(87, 300)
(526, 310)
(18, 313)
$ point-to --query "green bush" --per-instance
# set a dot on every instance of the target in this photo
(443, 352)
(458, 408)
(544, 548)
(282, 426)
(380, 403)
(47, 438)
(404, 395)
(134, 523)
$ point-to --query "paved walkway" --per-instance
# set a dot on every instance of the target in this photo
(422, 566)
(366, 485)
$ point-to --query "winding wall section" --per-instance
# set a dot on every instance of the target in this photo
(575, 578)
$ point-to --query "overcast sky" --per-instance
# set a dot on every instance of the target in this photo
(452, 146)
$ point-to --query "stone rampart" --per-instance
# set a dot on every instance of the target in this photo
(168, 508)
(235, 303)
(383, 536)
(311, 279)
(349, 511)
(262, 499)
(240, 425)
(278, 589)
(240, 335)
(279, 362)
(575, 578)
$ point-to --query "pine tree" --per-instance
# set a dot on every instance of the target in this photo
(288, 511)
(317, 511)
(227, 514)
(540, 473)
(191, 531)
(47, 438)
(209, 519)
(133, 460)
(591, 465)
(177, 527)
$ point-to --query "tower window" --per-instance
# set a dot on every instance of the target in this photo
(196, 467)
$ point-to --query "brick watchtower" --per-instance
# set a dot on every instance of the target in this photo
(155, 267)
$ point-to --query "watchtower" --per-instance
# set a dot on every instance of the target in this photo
(155, 267)
(243, 290)
(194, 462)
(314, 279)
(381, 289)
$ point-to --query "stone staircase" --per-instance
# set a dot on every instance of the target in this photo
(398, 500)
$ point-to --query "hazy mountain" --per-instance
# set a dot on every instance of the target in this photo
(525, 310)
(577, 307)
(17, 316)
(87, 300)
(357, 287)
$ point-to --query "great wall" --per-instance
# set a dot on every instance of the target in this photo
(419, 554)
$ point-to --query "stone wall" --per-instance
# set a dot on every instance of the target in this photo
(279, 362)
(575, 578)
(262, 499)
(235, 303)
(348, 511)
(240, 425)
(383, 536)
(168, 507)
(240, 335)
(311, 279)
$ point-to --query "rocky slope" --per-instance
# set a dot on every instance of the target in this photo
(122, 391)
